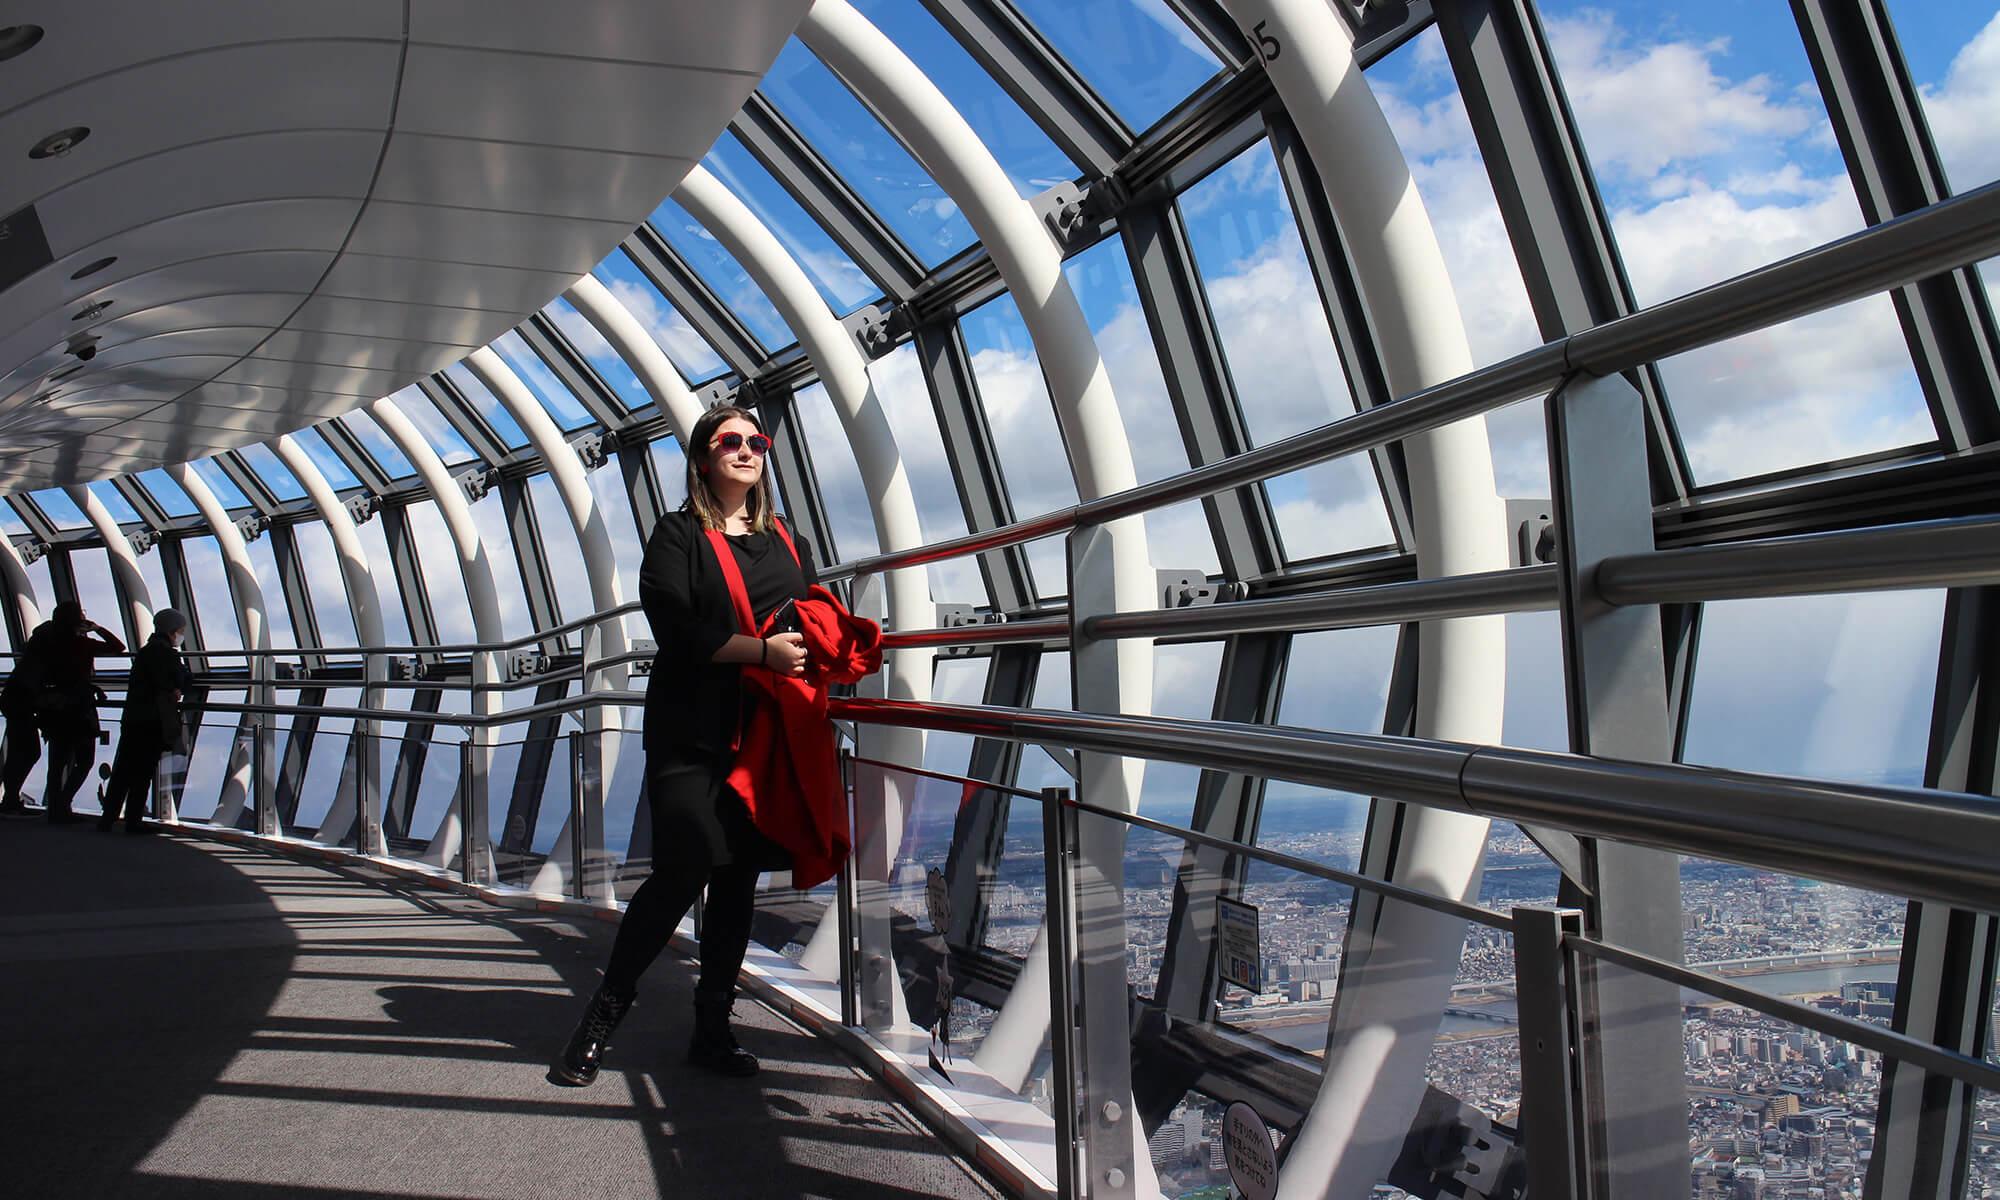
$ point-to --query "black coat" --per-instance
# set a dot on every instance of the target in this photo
(692, 702)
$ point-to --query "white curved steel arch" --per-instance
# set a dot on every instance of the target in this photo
(475, 566)
(600, 560)
(136, 597)
(364, 799)
(1401, 966)
(882, 799)
(247, 595)
(1099, 451)
(20, 589)
(640, 350)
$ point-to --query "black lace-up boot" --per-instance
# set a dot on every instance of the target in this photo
(714, 1047)
(585, 1053)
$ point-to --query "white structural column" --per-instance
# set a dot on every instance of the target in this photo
(636, 345)
(606, 640)
(1100, 456)
(132, 589)
(1401, 965)
(20, 589)
(238, 788)
(881, 800)
(364, 800)
(476, 567)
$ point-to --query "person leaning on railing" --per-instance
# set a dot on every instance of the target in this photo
(151, 725)
(67, 647)
(720, 568)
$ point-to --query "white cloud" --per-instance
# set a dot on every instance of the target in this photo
(1962, 111)
(695, 358)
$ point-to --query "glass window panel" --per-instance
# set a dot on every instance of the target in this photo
(11, 521)
(277, 478)
(555, 396)
(691, 355)
(442, 435)
(61, 511)
(44, 586)
(867, 157)
(1954, 56)
(560, 548)
(95, 589)
(671, 468)
(954, 681)
(221, 484)
(1102, 280)
(114, 502)
(1740, 171)
(1015, 399)
(607, 485)
(324, 584)
(1030, 159)
(720, 270)
(491, 517)
(395, 621)
(277, 612)
(331, 465)
(381, 448)
(208, 766)
(444, 582)
(609, 365)
(840, 282)
(899, 383)
(155, 576)
(1280, 350)
(1184, 678)
(215, 608)
(848, 513)
(1138, 55)
(487, 406)
(1326, 826)
(166, 493)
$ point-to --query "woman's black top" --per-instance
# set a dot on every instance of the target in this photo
(693, 702)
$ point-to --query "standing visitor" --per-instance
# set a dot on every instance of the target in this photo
(66, 703)
(151, 725)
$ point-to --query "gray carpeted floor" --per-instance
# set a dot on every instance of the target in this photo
(181, 1018)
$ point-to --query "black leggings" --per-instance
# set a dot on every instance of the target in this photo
(658, 906)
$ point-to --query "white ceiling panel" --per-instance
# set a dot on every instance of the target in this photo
(305, 212)
(471, 173)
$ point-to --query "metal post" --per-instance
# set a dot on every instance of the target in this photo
(472, 838)
(1059, 865)
(844, 914)
(1551, 1077)
(579, 854)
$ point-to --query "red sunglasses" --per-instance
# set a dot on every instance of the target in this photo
(732, 442)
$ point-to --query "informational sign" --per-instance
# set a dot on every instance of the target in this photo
(1246, 1144)
(1239, 949)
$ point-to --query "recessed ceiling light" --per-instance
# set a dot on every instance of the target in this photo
(94, 268)
(66, 372)
(61, 142)
(87, 313)
(18, 39)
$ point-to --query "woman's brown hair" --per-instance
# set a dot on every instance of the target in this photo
(701, 501)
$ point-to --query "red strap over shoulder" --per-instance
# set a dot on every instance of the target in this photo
(739, 592)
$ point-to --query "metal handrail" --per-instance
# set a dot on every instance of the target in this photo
(1941, 237)
(1907, 841)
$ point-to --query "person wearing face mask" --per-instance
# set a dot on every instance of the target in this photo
(703, 833)
(151, 725)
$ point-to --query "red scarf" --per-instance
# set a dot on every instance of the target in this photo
(787, 771)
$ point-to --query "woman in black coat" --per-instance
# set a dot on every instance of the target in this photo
(702, 833)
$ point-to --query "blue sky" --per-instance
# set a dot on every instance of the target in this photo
(1739, 169)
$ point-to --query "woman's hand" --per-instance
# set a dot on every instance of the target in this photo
(785, 653)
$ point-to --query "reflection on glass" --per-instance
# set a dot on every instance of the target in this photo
(382, 570)
(905, 397)
(865, 155)
(388, 457)
(214, 607)
(330, 464)
(1030, 159)
(220, 483)
(722, 273)
(1015, 399)
(841, 284)
(562, 552)
(609, 365)
(1138, 55)
(276, 476)
(555, 396)
(325, 584)
(277, 612)
(444, 581)
(1280, 350)
(694, 358)
(487, 406)
(440, 433)
(114, 502)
